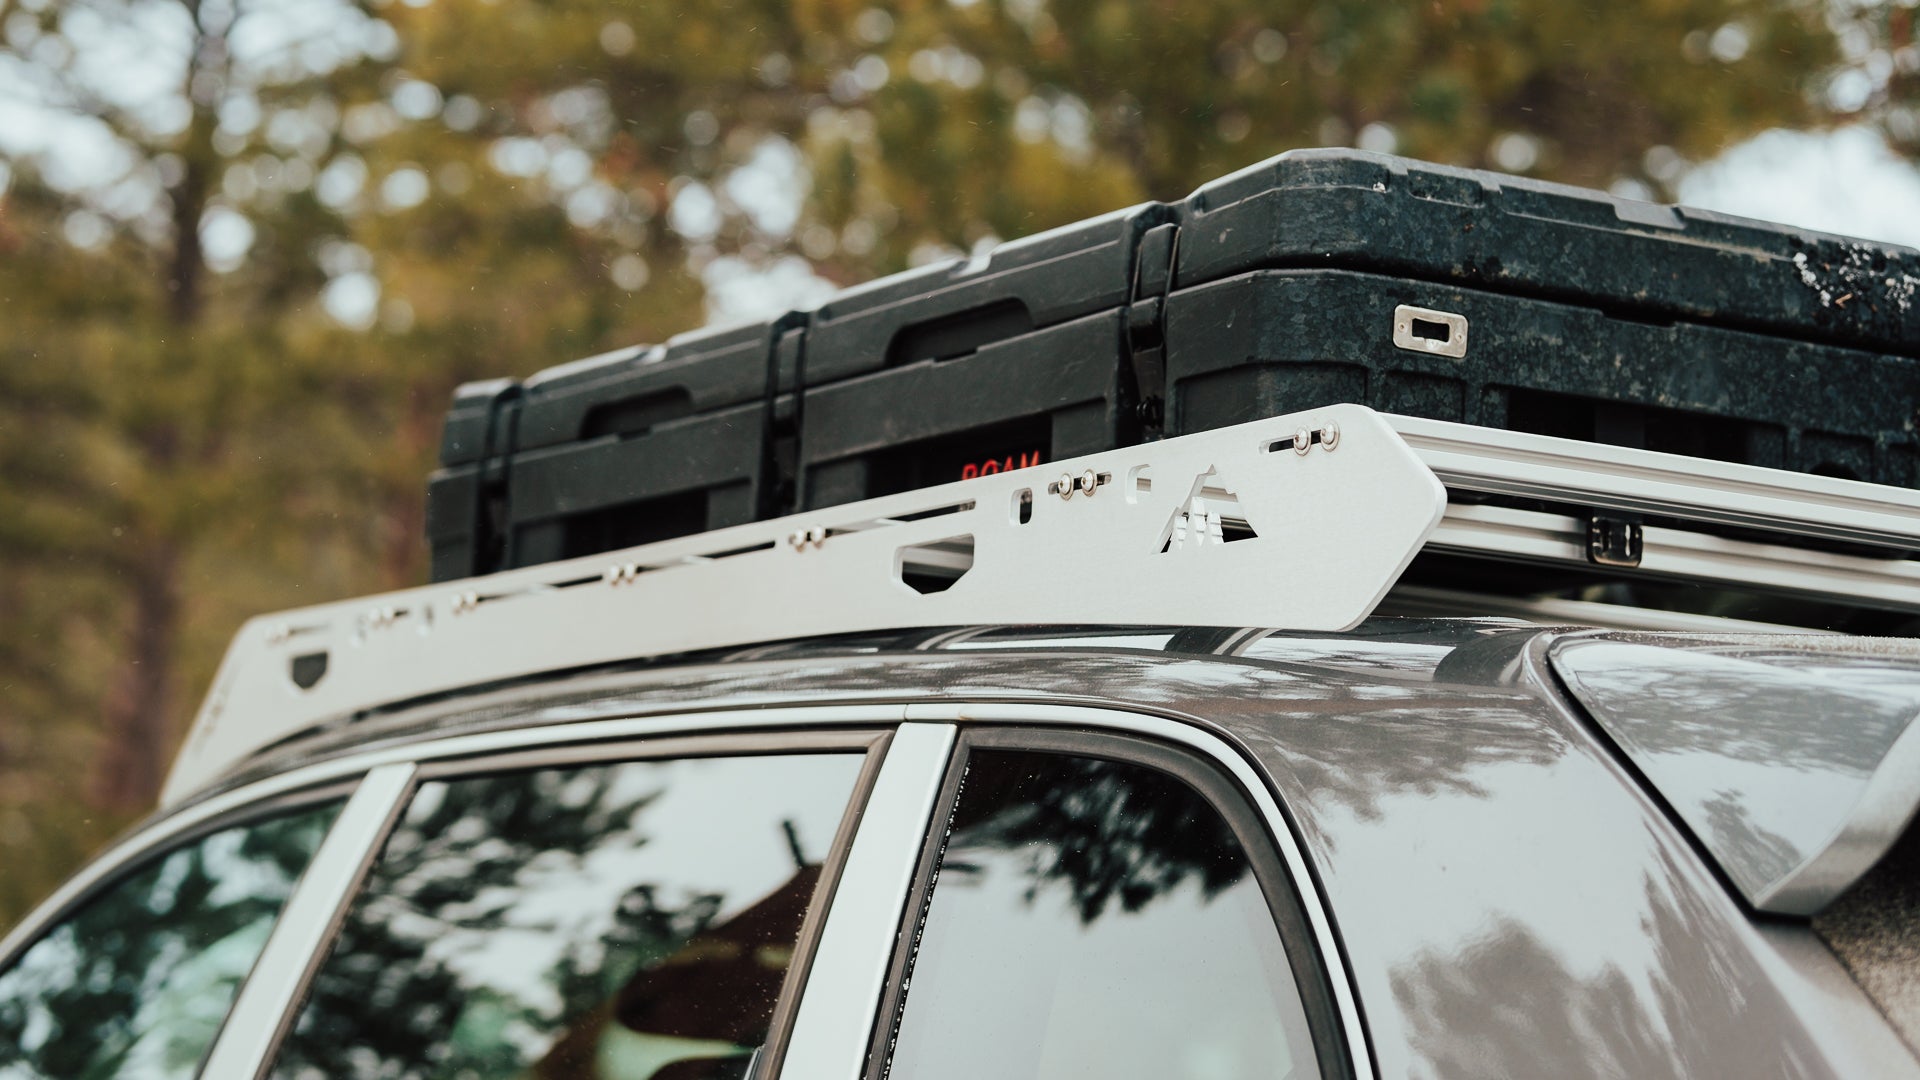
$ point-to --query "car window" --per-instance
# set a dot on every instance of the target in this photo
(1095, 918)
(137, 981)
(630, 920)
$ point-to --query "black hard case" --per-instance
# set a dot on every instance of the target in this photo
(1271, 290)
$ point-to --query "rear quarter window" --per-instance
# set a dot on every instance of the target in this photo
(1091, 917)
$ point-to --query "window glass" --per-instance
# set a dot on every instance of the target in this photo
(137, 982)
(619, 921)
(1094, 918)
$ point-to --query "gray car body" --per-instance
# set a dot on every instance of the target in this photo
(1510, 898)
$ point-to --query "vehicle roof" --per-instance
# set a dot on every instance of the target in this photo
(1792, 759)
(1108, 665)
(1163, 668)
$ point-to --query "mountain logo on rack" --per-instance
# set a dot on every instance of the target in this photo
(1210, 515)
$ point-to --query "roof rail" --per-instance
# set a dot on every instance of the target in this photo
(1296, 522)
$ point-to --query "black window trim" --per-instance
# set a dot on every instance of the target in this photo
(1223, 792)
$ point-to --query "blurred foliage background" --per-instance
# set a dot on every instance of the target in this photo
(248, 247)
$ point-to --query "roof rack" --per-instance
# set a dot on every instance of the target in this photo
(1299, 522)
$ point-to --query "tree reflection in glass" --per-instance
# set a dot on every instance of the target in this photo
(1096, 918)
(137, 982)
(622, 921)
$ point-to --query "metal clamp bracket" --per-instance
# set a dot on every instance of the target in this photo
(1614, 540)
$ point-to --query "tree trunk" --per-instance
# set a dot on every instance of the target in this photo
(404, 525)
(185, 268)
(138, 721)
(138, 737)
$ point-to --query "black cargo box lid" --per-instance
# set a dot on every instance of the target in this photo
(1348, 209)
(956, 307)
(632, 390)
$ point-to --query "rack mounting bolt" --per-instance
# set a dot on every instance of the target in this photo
(1302, 441)
(1089, 480)
(1330, 435)
(1065, 486)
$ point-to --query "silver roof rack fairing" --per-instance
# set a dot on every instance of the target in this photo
(1295, 522)
(1302, 521)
